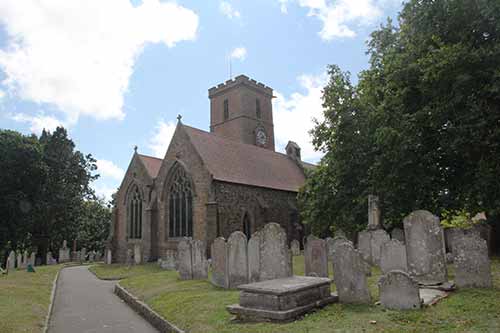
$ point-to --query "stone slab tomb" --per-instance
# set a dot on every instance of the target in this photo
(399, 291)
(472, 264)
(349, 272)
(425, 248)
(282, 299)
(316, 257)
(295, 247)
(393, 256)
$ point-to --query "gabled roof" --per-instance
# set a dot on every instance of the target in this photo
(236, 162)
(152, 164)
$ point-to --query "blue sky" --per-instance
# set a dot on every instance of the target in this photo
(116, 73)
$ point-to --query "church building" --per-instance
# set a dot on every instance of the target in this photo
(210, 184)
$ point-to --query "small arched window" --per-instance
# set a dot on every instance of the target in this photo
(257, 108)
(247, 226)
(180, 205)
(134, 214)
(226, 109)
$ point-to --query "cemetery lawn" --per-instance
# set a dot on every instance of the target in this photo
(197, 306)
(25, 298)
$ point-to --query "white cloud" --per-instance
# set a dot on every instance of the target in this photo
(107, 168)
(39, 122)
(161, 139)
(283, 6)
(228, 10)
(79, 55)
(104, 191)
(2, 94)
(339, 17)
(293, 116)
(238, 53)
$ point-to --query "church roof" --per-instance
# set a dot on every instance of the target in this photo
(152, 164)
(236, 162)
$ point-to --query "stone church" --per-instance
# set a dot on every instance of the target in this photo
(210, 184)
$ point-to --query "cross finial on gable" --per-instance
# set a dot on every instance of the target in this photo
(179, 117)
(135, 149)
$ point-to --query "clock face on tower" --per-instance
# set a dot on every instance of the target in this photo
(260, 136)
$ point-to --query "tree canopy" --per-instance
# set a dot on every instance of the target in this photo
(421, 129)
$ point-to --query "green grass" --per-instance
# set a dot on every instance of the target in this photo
(197, 306)
(119, 272)
(25, 298)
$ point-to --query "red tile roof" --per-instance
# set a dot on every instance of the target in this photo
(152, 164)
(236, 162)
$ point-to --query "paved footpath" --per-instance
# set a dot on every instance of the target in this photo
(83, 303)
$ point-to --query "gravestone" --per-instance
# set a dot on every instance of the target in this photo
(199, 259)
(219, 263)
(393, 256)
(92, 256)
(316, 257)
(129, 259)
(12, 261)
(378, 237)
(399, 291)
(275, 260)
(254, 257)
(19, 261)
(25, 259)
(329, 247)
(472, 264)
(83, 254)
(50, 259)
(32, 259)
(237, 259)
(137, 254)
(184, 260)
(425, 248)
(295, 247)
(398, 234)
(168, 261)
(374, 216)
(349, 273)
(109, 257)
(365, 245)
(64, 253)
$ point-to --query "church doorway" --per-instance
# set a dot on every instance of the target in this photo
(247, 225)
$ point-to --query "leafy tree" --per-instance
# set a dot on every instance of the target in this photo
(94, 224)
(422, 127)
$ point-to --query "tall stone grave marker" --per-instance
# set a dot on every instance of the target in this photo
(19, 261)
(64, 253)
(83, 255)
(129, 259)
(349, 273)
(378, 237)
(12, 261)
(374, 216)
(472, 264)
(295, 247)
(109, 256)
(184, 260)
(25, 259)
(316, 257)
(137, 254)
(219, 263)
(237, 259)
(365, 245)
(393, 256)
(425, 248)
(275, 260)
(254, 257)
(399, 291)
(199, 259)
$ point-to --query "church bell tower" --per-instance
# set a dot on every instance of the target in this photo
(241, 110)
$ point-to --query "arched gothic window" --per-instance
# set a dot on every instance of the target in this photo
(180, 205)
(134, 213)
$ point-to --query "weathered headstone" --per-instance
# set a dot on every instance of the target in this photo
(50, 259)
(219, 263)
(64, 253)
(32, 259)
(374, 216)
(398, 234)
(199, 259)
(274, 253)
(393, 256)
(237, 259)
(25, 259)
(425, 248)
(329, 247)
(399, 291)
(83, 254)
(19, 261)
(295, 247)
(378, 237)
(472, 264)
(12, 261)
(254, 257)
(129, 259)
(168, 261)
(365, 245)
(316, 257)
(109, 256)
(349, 273)
(137, 254)
(184, 260)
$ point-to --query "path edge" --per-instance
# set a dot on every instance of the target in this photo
(145, 311)
(52, 298)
